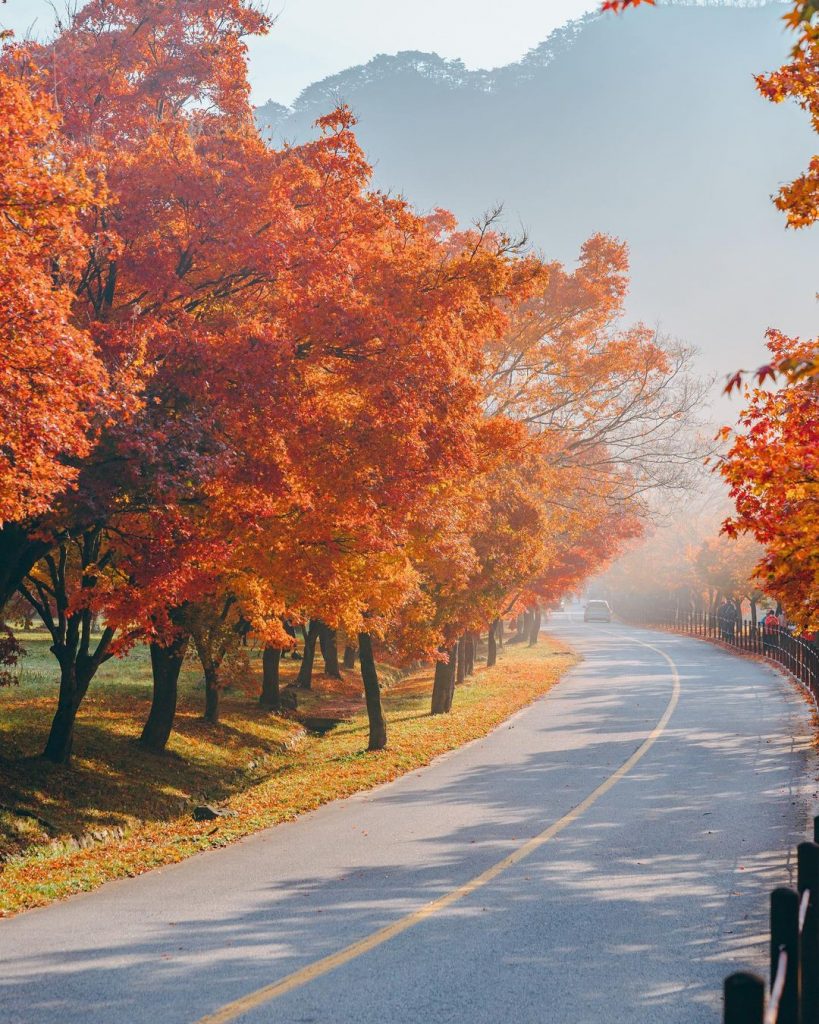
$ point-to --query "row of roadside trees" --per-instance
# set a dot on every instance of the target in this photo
(687, 566)
(241, 389)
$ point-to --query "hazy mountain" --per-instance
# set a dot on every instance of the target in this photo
(647, 126)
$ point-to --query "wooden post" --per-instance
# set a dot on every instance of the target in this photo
(785, 935)
(808, 878)
(744, 999)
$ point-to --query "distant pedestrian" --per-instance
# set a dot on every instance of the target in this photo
(727, 620)
(770, 631)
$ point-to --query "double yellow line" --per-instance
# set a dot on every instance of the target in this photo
(239, 1007)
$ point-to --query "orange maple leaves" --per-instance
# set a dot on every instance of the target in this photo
(621, 5)
(772, 469)
(292, 396)
(50, 377)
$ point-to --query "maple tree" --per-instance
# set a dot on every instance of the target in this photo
(727, 567)
(150, 98)
(320, 407)
(621, 5)
(593, 421)
(686, 565)
(50, 378)
(770, 466)
(772, 470)
(797, 80)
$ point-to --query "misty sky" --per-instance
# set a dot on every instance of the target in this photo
(316, 38)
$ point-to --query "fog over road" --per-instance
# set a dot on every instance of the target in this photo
(631, 911)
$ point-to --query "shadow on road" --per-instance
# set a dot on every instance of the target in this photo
(634, 913)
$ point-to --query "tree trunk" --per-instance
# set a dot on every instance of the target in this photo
(61, 736)
(469, 655)
(211, 694)
(77, 669)
(521, 631)
(492, 646)
(72, 646)
(372, 693)
(754, 613)
(534, 626)
(440, 687)
(328, 639)
(269, 697)
(453, 672)
(166, 664)
(288, 628)
(76, 672)
(499, 633)
(19, 553)
(349, 656)
(305, 677)
(460, 661)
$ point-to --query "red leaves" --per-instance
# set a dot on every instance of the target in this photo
(620, 5)
(734, 382)
(314, 401)
(791, 368)
(10, 652)
(772, 469)
(50, 378)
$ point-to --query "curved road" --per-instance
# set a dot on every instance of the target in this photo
(606, 855)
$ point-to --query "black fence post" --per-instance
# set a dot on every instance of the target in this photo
(816, 829)
(744, 999)
(785, 936)
(808, 879)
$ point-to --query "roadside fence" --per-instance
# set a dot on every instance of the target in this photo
(794, 654)
(793, 991)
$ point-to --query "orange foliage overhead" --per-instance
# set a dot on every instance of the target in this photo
(772, 468)
(50, 378)
(315, 403)
(621, 5)
(799, 81)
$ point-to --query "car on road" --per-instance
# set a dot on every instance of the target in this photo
(597, 611)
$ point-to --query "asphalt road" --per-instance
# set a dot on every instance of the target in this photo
(631, 910)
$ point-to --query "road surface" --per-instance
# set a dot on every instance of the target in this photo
(606, 855)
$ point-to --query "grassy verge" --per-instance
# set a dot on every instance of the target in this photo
(119, 811)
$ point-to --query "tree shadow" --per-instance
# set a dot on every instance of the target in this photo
(634, 913)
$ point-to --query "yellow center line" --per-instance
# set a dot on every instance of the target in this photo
(304, 975)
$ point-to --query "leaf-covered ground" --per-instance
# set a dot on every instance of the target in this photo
(118, 810)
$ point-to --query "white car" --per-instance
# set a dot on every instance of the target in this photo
(597, 611)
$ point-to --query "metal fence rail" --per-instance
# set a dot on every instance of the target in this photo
(794, 955)
(795, 655)
(792, 996)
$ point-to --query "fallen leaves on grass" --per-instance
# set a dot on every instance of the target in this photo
(114, 784)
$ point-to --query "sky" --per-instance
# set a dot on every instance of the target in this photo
(316, 38)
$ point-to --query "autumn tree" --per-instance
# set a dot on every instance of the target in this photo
(319, 406)
(51, 383)
(772, 469)
(51, 377)
(156, 100)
